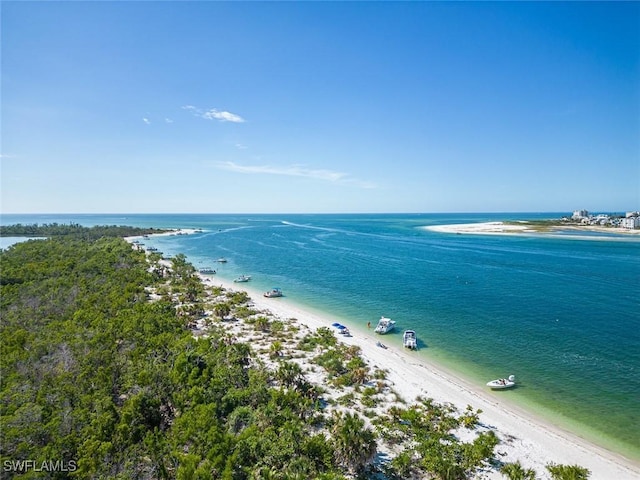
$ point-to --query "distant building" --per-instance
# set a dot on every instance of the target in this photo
(578, 214)
(630, 223)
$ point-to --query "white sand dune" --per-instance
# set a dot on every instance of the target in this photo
(484, 228)
(501, 228)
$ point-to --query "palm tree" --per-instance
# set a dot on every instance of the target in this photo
(276, 349)
(568, 472)
(352, 351)
(354, 445)
(262, 323)
(515, 471)
(360, 375)
(222, 309)
(265, 473)
(290, 374)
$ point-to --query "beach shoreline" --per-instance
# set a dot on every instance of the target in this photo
(525, 437)
(502, 228)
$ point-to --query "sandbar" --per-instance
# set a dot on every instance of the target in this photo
(483, 228)
(523, 227)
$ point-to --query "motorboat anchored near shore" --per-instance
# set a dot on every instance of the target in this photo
(242, 279)
(274, 292)
(409, 339)
(502, 383)
(385, 325)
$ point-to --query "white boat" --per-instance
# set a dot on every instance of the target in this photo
(274, 292)
(502, 383)
(243, 278)
(207, 270)
(221, 260)
(385, 325)
(409, 339)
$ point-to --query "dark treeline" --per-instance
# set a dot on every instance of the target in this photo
(74, 229)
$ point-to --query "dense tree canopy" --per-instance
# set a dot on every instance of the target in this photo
(95, 375)
(73, 229)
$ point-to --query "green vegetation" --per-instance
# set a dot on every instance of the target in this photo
(95, 373)
(74, 229)
(515, 471)
(101, 369)
(540, 225)
(554, 224)
(568, 472)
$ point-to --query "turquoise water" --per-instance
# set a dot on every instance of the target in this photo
(561, 312)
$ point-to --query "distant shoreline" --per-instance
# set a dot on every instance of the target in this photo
(524, 227)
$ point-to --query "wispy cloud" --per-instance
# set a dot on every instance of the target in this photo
(146, 120)
(222, 116)
(214, 114)
(296, 171)
(168, 120)
(240, 146)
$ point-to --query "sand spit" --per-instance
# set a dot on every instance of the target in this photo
(484, 228)
(502, 228)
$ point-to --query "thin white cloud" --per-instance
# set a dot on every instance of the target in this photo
(296, 171)
(147, 121)
(222, 116)
(214, 114)
(240, 146)
(168, 120)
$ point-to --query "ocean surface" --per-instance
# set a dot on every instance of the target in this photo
(561, 312)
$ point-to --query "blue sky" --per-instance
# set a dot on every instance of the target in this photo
(231, 107)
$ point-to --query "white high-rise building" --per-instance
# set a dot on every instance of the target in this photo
(577, 214)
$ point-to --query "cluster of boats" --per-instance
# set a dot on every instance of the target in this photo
(210, 271)
(410, 341)
(386, 325)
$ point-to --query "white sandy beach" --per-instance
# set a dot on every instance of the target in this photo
(524, 438)
(501, 228)
(484, 228)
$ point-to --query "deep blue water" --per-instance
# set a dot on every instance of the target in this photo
(561, 312)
